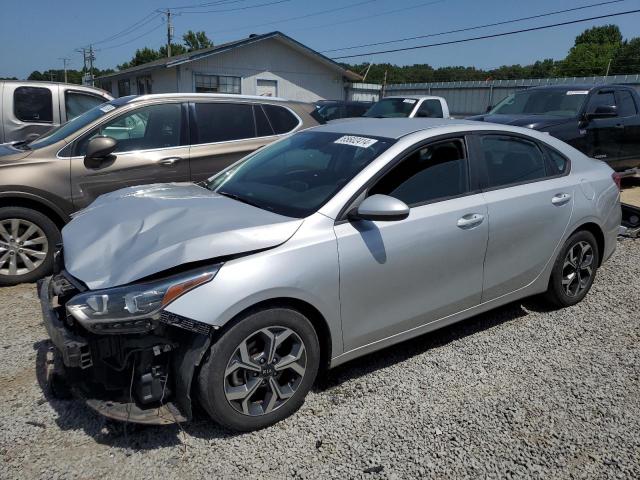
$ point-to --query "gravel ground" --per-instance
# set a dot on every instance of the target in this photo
(518, 392)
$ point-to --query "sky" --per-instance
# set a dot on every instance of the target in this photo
(36, 34)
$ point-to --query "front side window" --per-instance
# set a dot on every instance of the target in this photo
(297, 175)
(626, 104)
(223, 122)
(601, 99)
(124, 87)
(216, 84)
(33, 104)
(76, 103)
(433, 172)
(146, 128)
(430, 109)
(392, 107)
(557, 102)
(511, 160)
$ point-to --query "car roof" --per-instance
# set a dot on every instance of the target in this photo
(226, 96)
(390, 127)
(417, 97)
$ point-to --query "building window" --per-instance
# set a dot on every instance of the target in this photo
(144, 84)
(217, 84)
(124, 87)
(106, 85)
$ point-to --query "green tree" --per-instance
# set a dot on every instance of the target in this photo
(593, 50)
(627, 59)
(142, 55)
(196, 40)
(607, 34)
(176, 49)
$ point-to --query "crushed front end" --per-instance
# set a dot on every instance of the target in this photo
(120, 351)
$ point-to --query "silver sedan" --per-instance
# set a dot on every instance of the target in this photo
(324, 246)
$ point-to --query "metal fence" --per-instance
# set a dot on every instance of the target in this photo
(470, 98)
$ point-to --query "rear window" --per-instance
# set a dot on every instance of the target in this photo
(282, 120)
(33, 104)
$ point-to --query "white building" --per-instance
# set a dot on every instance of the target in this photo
(271, 64)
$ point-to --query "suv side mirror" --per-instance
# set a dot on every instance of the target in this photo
(603, 111)
(100, 148)
(489, 108)
(382, 208)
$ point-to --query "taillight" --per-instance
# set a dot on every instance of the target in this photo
(617, 179)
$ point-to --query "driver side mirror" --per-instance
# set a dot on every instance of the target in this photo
(381, 208)
(603, 111)
(99, 149)
(489, 108)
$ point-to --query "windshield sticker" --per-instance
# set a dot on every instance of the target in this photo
(578, 92)
(361, 142)
(107, 108)
(409, 100)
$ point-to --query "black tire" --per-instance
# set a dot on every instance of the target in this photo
(52, 234)
(557, 295)
(211, 381)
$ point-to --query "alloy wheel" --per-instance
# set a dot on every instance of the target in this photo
(577, 269)
(265, 371)
(23, 246)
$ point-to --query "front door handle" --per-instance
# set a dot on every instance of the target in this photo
(470, 220)
(560, 199)
(167, 162)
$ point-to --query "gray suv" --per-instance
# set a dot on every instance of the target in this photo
(125, 142)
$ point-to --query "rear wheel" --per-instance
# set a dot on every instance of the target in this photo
(27, 241)
(574, 270)
(260, 370)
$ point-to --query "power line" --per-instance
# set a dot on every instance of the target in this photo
(246, 7)
(483, 37)
(135, 38)
(207, 4)
(299, 17)
(130, 29)
(556, 12)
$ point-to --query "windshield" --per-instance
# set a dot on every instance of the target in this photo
(559, 102)
(296, 176)
(63, 131)
(392, 107)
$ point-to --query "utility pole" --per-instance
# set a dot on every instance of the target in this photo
(64, 67)
(384, 85)
(92, 57)
(169, 32)
(366, 73)
(608, 67)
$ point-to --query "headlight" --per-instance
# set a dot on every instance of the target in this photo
(132, 307)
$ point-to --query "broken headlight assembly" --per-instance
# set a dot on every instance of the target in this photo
(133, 308)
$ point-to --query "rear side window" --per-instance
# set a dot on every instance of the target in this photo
(626, 104)
(77, 103)
(33, 104)
(222, 122)
(558, 162)
(282, 120)
(263, 127)
(511, 160)
(433, 172)
(430, 109)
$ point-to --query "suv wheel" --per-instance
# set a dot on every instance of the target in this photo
(574, 270)
(260, 370)
(27, 241)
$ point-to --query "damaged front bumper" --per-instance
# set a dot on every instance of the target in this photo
(137, 377)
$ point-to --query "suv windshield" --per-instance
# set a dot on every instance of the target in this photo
(559, 102)
(61, 132)
(392, 107)
(296, 176)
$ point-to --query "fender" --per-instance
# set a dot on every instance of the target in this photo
(42, 198)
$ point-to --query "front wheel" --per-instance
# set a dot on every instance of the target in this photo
(574, 270)
(260, 370)
(27, 241)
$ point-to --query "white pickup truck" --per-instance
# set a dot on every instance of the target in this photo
(29, 108)
(410, 106)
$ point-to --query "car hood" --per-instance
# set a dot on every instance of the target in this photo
(135, 232)
(535, 122)
(9, 153)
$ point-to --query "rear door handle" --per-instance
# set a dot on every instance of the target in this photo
(560, 199)
(167, 162)
(470, 220)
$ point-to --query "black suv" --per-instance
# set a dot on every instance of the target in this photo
(602, 121)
